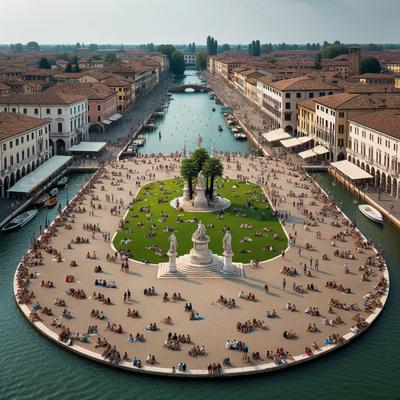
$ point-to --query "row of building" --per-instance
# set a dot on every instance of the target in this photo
(350, 116)
(45, 112)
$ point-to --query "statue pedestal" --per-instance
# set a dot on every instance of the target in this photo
(228, 266)
(200, 254)
(172, 262)
(200, 199)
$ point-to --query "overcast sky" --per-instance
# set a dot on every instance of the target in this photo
(181, 21)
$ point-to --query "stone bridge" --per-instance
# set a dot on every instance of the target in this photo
(196, 88)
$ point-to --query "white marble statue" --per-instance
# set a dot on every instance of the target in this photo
(200, 180)
(227, 242)
(199, 140)
(172, 243)
(200, 233)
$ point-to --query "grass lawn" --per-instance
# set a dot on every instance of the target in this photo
(249, 206)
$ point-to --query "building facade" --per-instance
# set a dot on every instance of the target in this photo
(24, 145)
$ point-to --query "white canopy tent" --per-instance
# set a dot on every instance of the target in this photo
(293, 142)
(115, 117)
(351, 170)
(87, 147)
(276, 135)
(307, 154)
(320, 150)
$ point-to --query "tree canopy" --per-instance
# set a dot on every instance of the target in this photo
(111, 58)
(44, 63)
(177, 63)
(32, 46)
(333, 50)
(370, 65)
(166, 49)
(212, 46)
(201, 60)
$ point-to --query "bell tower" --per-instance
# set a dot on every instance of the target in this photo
(354, 60)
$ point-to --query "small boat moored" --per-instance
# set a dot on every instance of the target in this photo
(62, 182)
(20, 220)
(370, 212)
(51, 202)
(42, 199)
(53, 192)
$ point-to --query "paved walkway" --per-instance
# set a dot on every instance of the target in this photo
(310, 219)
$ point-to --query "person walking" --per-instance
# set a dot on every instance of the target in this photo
(284, 284)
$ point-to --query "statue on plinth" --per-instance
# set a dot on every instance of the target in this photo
(228, 254)
(200, 180)
(227, 243)
(200, 233)
(199, 140)
(172, 253)
(172, 243)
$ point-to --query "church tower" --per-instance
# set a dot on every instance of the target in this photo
(354, 60)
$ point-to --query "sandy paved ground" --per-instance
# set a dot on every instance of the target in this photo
(219, 323)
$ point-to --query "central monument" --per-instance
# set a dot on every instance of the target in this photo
(200, 199)
(200, 254)
(200, 262)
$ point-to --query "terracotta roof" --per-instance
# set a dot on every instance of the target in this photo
(114, 82)
(374, 76)
(12, 124)
(4, 87)
(385, 121)
(93, 91)
(303, 83)
(309, 103)
(347, 101)
(52, 96)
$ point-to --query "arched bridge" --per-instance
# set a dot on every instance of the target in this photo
(196, 88)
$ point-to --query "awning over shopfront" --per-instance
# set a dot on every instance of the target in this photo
(87, 147)
(307, 154)
(106, 122)
(40, 175)
(115, 117)
(319, 150)
(351, 170)
(293, 142)
(276, 135)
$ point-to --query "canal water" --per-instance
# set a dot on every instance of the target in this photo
(188, 115)
(32, 367)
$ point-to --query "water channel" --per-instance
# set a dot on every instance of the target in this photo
(33, 367)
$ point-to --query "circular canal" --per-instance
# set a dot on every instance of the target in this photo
(33, 367)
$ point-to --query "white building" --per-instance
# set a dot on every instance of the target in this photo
(68, 113)
(279, 99)
(374, 145)
(189, 58)
(24, 145)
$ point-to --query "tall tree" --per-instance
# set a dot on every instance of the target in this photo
(257, 48)
(212, 168)
(334, 50)
(225, 47)
(177, 63)
(194, 47)
(68, 67)
(199, 157)
(201, 60)
(188, 172)
(166, 49)
(44, 63)
(370, 65)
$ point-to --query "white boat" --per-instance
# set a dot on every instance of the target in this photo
(53, 192)
(371, 213)
(240, 136)
(62, 182)
(20, 220)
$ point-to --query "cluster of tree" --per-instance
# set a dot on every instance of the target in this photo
(192, 47)
(201, 60)
(370, 65)
(176, 60)
(332, 50)
(73, 65)
(225, 47)
(201, 161)
(147, 47)
(44, 63)
(212, 46)
(111, 58)
(254, 48)
(313, 46)
(285, 46)
(266, 48)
